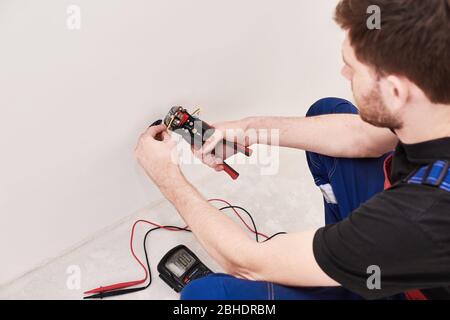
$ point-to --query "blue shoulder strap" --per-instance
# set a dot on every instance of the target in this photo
(436, 175)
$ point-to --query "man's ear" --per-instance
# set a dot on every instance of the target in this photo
(395, 91)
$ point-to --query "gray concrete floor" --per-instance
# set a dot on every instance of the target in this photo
(287, 201)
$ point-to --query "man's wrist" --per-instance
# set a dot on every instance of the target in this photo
(174, 182)
(250, 125)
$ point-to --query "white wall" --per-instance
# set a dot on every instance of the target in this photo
(72, 103)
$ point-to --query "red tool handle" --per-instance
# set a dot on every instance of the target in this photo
(230, 171)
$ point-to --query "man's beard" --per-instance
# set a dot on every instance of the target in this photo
(373, 110)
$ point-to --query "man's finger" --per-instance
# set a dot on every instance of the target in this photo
(211, 161)
(155, 130)
(165, 136)
(219, 168)
(211, 143)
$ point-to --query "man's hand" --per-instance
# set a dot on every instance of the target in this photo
(232, 131)
(156, 153)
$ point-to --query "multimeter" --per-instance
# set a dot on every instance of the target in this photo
(180, 266)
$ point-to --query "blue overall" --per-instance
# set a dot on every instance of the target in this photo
(352, 181)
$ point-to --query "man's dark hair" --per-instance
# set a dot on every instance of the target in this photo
(414, 40)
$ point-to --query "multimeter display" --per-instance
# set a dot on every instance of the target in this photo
(180, 266)
(180, 262)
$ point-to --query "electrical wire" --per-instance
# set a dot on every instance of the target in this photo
(251, 218)
(196, 112)
(122, 285)
(102, 295)
(119, 288)
(239, 216)
(274, 235)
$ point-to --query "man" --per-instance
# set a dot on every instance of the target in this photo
(400, 78)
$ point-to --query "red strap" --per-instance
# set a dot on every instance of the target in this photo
(413, 294)
(387, 169)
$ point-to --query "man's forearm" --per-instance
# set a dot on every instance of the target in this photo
(219, 235)
(287, 259)
(336, 135)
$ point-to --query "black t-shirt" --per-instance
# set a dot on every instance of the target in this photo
(405, 231)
